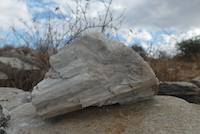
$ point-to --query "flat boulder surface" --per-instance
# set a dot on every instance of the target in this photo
(93, 71)
(160, 115)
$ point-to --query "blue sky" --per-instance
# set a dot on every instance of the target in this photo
(158, 22)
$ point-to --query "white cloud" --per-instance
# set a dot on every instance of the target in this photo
(11, 11)
(169, 38)
(129, 35)
(181, 15)
(38, 10)
(189, 34)
(94, 8)
(162, 13)
(143, 35)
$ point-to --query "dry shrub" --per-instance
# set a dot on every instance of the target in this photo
(174, 69)
(6, 48)
(22, 79)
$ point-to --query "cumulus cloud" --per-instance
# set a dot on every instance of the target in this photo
(11, 11)
(129, 35)
(178, 14)
(162, 13)
(95, 8)
(139, 13)
(190, 33)
(148, 19)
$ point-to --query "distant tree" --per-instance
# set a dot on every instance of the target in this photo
(140, 50)
(190, 48)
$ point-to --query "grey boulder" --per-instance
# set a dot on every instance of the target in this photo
(93, 71)
(185, 90)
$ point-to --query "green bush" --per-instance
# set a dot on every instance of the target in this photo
(190, 48)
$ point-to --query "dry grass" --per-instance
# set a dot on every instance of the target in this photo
(22, 79)
(25, 80)
(175, 69)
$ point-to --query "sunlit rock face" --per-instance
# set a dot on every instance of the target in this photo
(93, 71)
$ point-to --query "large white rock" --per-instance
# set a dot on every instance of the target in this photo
(93, 71)
(11, 98)
(160, 115)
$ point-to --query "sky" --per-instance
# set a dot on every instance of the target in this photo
(152, 23)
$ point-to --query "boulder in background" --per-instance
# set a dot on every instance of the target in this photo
(184, 90)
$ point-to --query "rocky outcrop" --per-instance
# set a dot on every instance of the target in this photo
(196, 81)
(93, 71)
(184, 90)
(11, 98)
(160, 115)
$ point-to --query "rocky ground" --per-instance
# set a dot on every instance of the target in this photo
(162, 114)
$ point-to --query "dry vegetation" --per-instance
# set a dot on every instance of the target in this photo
(182, 67)
(22, 79)
(175, 69)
